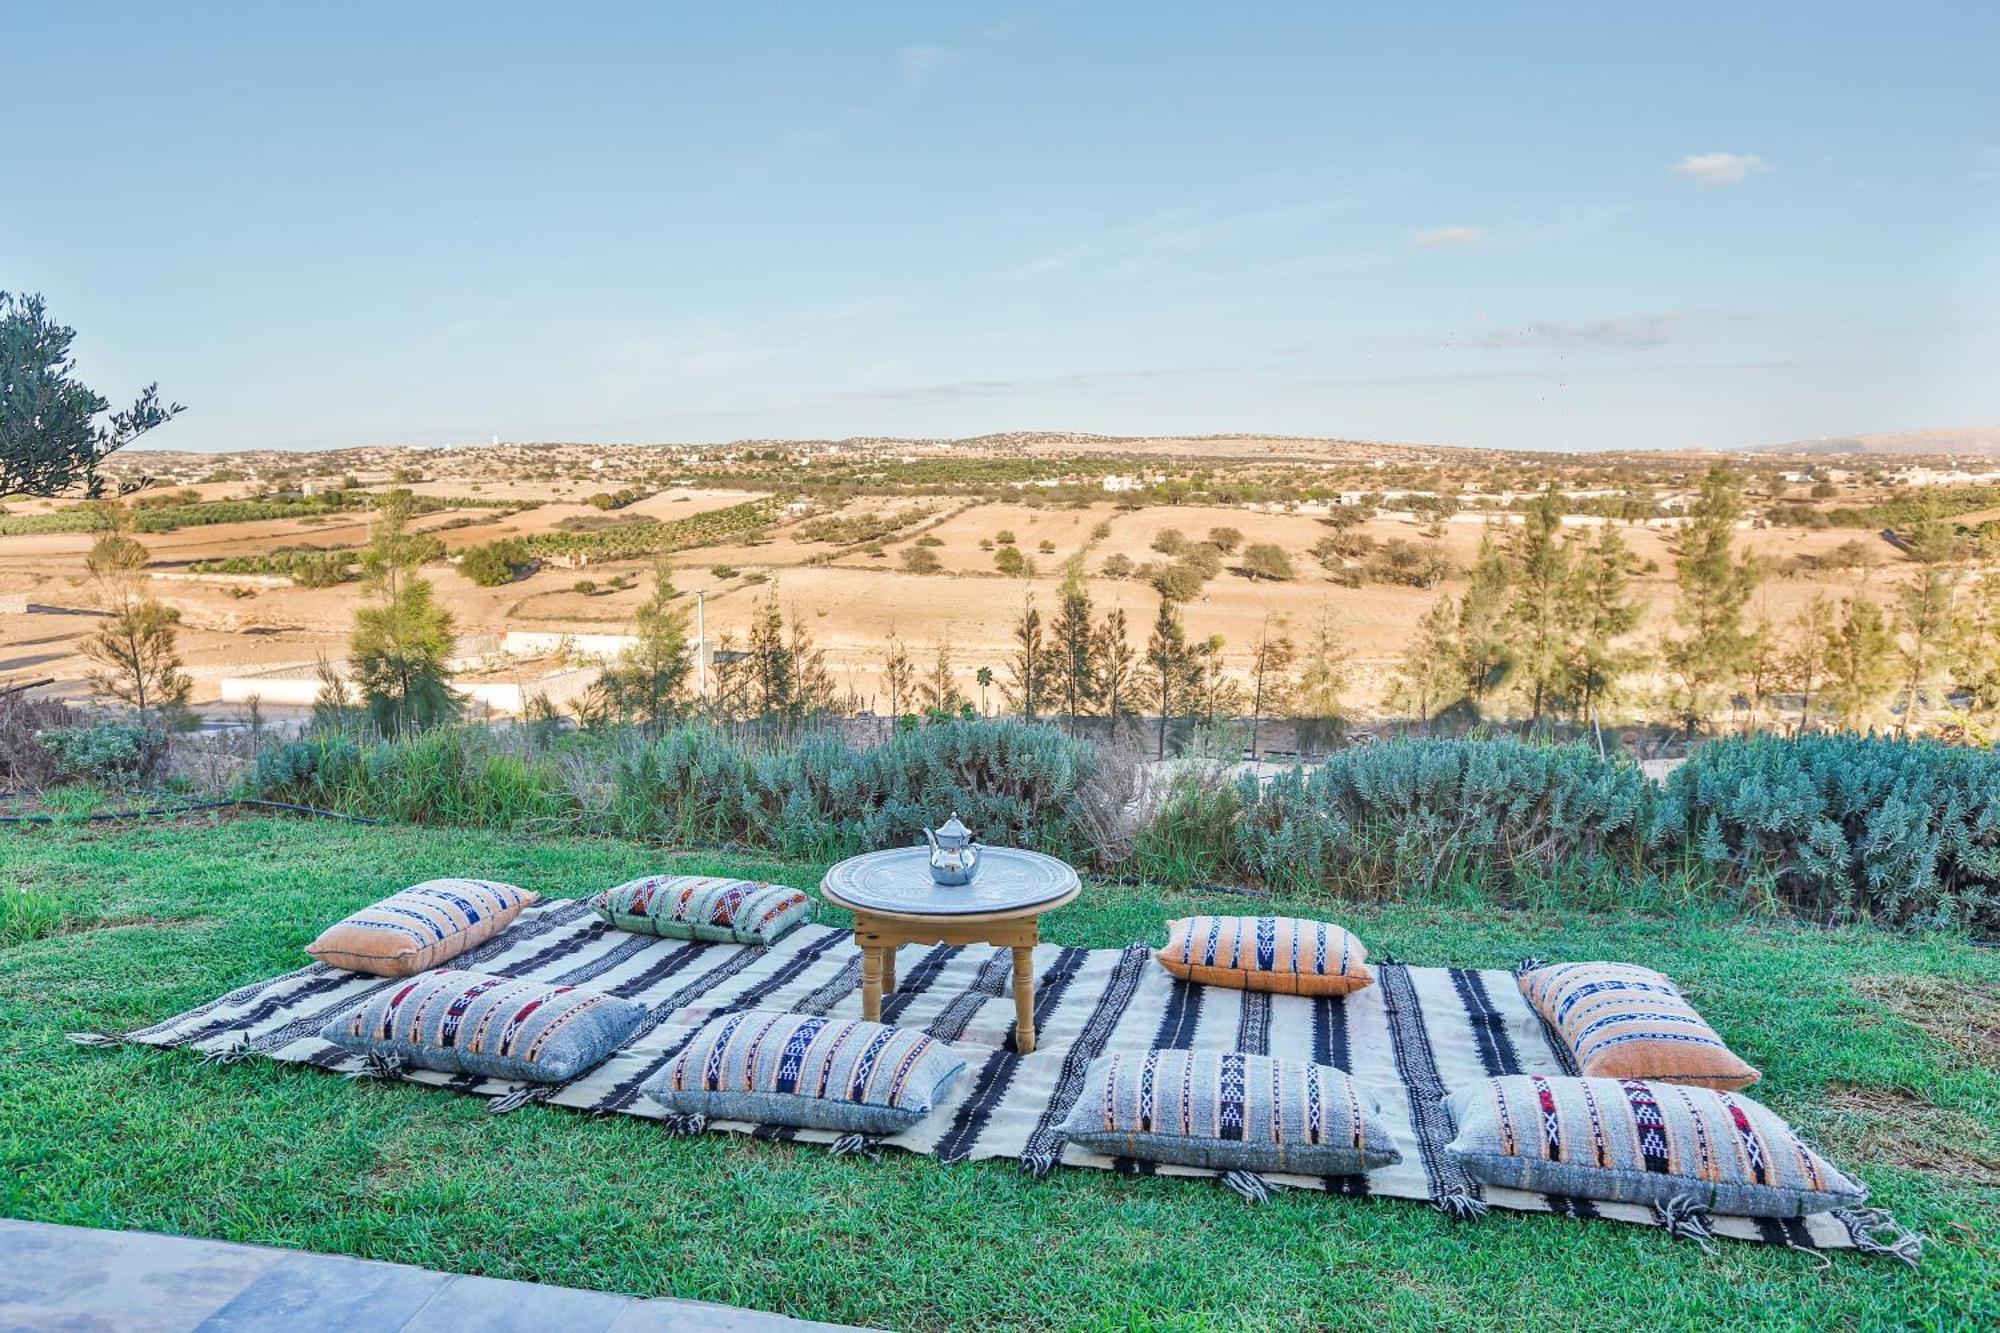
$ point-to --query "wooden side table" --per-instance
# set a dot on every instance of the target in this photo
(895, 902)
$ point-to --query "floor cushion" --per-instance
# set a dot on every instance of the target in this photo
(1270, 953)
(809, 1072)
(501, 1027)
(714, 908)
(1622, 1021)
(1230, 1112)
(1634, 1141)
(424, 925)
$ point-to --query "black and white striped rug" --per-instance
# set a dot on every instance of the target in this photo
(1416, 1034)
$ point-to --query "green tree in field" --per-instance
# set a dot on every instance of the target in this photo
(1172, 675)
(786, 678)
(136, 648)
(1217, 694)
(1975, 644)
(898, 674)
(1031, 667)
(1117, 666)
(1862, 668)
(1270, 679)
(1598, 611)
(1485, 658)
(51, 439)
(1710, 648)
(648, 683)
(492, 564)
(402, 637)
(1538, 612)
(1317, 697)
(1926, 611)
(1267, 560)
(1429, 675)
(1075, 646)
(940, 683)
(1812, 641)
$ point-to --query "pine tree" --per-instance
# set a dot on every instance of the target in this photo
(1862, 669)
(1485, 658)
(1270, 679)
(136, 648)
(940, 685)
(402, 637)
(1598, 610)
(1538, 609)
(898, 674)
(1322, 680)
(1428, 676)
(1926, 610)
(1218, 694)
(1172, 675)
(1117, 666)
(1711, 650)
(1075, 646)
(1975, 644)
(1811, 643)
(1031, 668)
(648, 683)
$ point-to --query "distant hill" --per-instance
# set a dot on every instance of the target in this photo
(1962, 440)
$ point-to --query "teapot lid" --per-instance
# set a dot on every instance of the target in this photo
(951, 829)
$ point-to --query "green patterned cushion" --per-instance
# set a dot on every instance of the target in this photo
(498, 1027)
(704, 907)
(799, 1069)
(1633, 1141)
(1230, 1112)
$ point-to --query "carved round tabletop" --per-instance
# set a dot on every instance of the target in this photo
(898, 883)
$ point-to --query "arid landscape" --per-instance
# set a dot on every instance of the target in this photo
(862, 539)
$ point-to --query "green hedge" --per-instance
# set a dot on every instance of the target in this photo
(1834, 828)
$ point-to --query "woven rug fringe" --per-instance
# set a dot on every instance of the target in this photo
(377, 1065)
(686, 1124)
(99, 1038)
(1039, 1164)
(1527, 965)
(1685, 1217)
(1863, 1223)
(1249, 1184)
(519, 1097)
(234, 1053)
(856, 1145)
(1460, 1207)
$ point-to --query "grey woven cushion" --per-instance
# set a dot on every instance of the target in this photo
(1230, 1112)
(815, 1073)
(1632, 1141)
(500, 1027)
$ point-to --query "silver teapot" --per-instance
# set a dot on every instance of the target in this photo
(954, 854)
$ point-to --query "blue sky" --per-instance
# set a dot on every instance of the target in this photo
(1522, 226)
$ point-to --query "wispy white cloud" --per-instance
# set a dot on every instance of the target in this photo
(1621, 331)
(1719, 168)
(918, 63)
(1462, 236)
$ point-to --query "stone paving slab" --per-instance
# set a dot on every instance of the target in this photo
(60, 1279)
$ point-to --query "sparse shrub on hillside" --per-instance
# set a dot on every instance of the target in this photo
(1005, 537)
(920, 560)
(1009, 561)
(1225, 540)
(494, 563)
(1117, 565)
(115, 754)
(1266, 560)
(25, 762)
(1403, 562)
(1170, 541)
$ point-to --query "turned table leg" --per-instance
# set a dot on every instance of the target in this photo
(871, 982)
(888, 969)
(1024, 998)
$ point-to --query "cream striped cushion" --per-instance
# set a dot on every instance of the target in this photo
(715, 908)
(424, 925)
(1269, 953)
(1621, 1021)
(1634, 1141)
(1230, 1112)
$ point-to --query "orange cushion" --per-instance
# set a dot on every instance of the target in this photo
(1272, 953)
(424, 925)
(1622, 1021)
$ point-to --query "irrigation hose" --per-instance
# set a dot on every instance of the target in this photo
(172, 811)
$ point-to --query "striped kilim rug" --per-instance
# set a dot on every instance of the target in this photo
(1416, 1034)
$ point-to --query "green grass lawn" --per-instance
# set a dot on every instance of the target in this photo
(1880, 1047)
